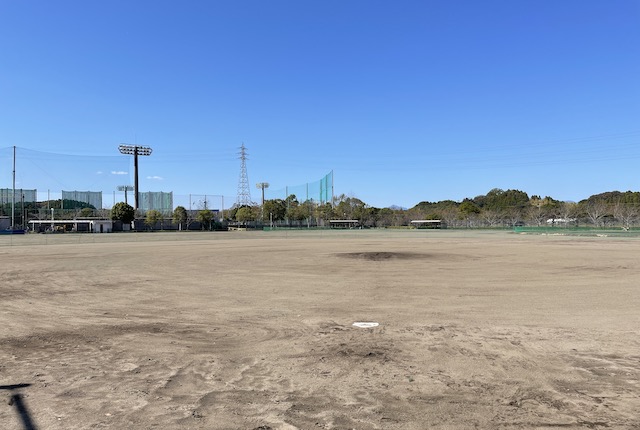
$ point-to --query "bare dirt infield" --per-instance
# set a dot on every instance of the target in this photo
(253, 330)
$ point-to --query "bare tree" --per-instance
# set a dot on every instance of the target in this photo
(512, 216)
(490, 217)
(595, 212)
(568, 212)
(450, 216)
(625, 213)
(537, 215)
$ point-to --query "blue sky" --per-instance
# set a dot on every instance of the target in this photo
(405, 101)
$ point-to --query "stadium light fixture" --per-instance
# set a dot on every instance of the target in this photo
(135, 150)
(125, 188)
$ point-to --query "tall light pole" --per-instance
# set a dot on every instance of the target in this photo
(262, 186)
(125, 188)
(135, 150)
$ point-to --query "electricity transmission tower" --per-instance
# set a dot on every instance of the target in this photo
(244, 193)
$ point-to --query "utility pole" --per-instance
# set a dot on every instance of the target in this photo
(135, 150)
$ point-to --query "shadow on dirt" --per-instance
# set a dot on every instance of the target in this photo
(16, 399)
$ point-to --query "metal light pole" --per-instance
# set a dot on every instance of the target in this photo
(262, 186)
(125, 188)
(135, 150)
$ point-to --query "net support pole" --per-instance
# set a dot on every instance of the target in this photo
(13, 194)
(332, 195)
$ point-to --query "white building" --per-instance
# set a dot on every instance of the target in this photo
(72, 225)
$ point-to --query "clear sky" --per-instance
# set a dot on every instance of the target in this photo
(404, 100)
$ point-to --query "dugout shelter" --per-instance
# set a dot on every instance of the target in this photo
(344, 223)
(428, 223)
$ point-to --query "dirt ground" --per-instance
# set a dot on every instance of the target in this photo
(254, 330)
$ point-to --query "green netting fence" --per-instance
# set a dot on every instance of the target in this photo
(320, 191)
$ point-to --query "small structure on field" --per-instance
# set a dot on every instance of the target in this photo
(560, 221)
(72, 225)
(343, 223)
(428, 223)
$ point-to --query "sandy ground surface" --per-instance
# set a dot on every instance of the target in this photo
(254, 330)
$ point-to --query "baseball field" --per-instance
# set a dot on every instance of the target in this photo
(255, 330)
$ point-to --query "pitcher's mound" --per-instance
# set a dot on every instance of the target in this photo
(379, 256)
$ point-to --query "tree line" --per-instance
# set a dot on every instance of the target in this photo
(497, 208)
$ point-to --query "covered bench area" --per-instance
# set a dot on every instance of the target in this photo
(428, 223)
(71, 225)
(343, 223)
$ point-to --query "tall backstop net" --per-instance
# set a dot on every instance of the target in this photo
(25, 196)
(156, 200)
(93, 198)
(320, 191)
(50, 173)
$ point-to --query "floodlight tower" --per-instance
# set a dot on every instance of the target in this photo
(262, 186)
(125, 188)
(135, 150)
